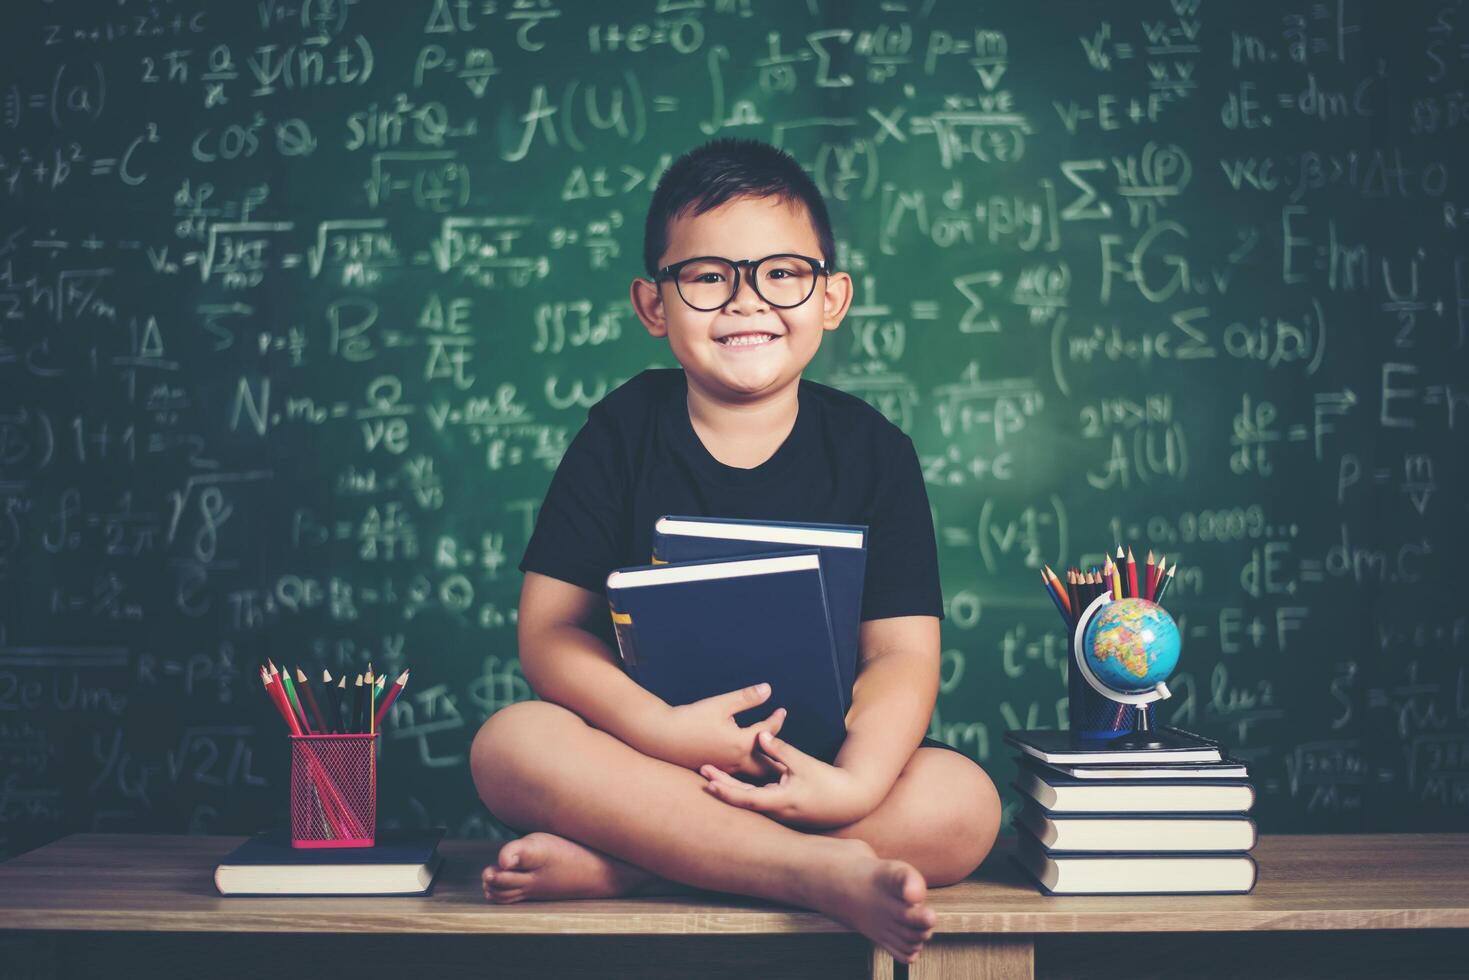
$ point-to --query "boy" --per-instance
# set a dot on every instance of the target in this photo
(630, 795)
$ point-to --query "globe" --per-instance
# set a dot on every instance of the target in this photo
(1131, 645)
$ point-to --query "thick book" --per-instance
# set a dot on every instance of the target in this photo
(1066, 794)
(401, 862)
(690, 630)
(843, 549)
(1223, 769)
(1106, 832)
(1051, 745)
(1136, 874)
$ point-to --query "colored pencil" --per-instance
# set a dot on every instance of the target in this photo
(1157, 577)
(1058, 589)
(296, 701)
(1132, 591)
(275, 701)
(344, 706)
(288, 693)
(278, 691)
(304, 686)
(333, 718)
(1150, 578)
(359, 698)
(1056, 598)
(1167, 580)
(1074, 587)
(402, 682)
(371, 703)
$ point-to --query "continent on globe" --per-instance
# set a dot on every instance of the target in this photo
(1131, 645)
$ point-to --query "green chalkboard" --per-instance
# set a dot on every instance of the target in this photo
(300, 306)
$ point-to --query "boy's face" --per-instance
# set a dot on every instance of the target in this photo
(744, 228)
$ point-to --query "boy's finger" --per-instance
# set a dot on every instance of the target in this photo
(747, 697)
(771, 722)
(741, 795)
(783, 752)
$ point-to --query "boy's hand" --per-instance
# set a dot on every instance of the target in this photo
(810, 792)
(705, 732)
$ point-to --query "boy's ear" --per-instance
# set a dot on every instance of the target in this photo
(837, 301)
(648, 305)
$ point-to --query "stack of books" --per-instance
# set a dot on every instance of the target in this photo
(729, 603)
(1100, 819)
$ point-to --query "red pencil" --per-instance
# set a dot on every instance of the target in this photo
(265, 683)
(272, 685)
(1151, 580)
(303, 685)
(390, 697)
(1132, 591)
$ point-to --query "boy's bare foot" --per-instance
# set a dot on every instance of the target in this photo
(544, 867)
(882, 899)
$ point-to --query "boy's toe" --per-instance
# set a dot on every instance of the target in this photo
(524, 853)
(507, 880)
(505, 897)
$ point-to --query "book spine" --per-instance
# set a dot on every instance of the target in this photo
(626, 638)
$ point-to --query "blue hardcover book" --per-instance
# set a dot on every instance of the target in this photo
(843, 549)
(400, 862)
(690, 630)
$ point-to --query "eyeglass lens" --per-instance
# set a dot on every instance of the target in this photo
(781, 280)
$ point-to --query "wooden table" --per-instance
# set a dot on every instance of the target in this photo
(1326, 906)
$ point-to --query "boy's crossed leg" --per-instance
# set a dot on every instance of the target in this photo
(618, 822)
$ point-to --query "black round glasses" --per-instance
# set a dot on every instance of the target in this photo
(708, 282)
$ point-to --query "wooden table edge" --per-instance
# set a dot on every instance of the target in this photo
(558, 922)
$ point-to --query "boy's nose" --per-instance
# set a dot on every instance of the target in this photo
(745, 299)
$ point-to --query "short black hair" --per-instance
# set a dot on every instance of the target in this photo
(720, 171)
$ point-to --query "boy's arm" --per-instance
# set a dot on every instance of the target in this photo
(893, 696)
(568, 665)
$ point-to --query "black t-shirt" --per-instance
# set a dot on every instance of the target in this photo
(638, 458)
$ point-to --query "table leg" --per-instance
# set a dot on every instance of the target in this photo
(974, 957)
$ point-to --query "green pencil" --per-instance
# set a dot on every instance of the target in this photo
(295, 702)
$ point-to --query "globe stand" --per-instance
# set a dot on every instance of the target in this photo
(1141, 737)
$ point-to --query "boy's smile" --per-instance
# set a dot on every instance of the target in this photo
(748, 351)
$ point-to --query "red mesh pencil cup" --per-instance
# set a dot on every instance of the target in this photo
(333, 790)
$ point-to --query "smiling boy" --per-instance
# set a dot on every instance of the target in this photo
(625, 794)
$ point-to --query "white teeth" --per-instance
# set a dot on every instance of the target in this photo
(749, 340)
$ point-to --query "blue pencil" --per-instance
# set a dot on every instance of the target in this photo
(1065, 616)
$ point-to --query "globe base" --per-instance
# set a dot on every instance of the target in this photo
(1138, 740)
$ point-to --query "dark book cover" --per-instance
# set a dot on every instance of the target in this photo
(1053, 745)
(401, 862)
(691, 630)
(843, 551)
